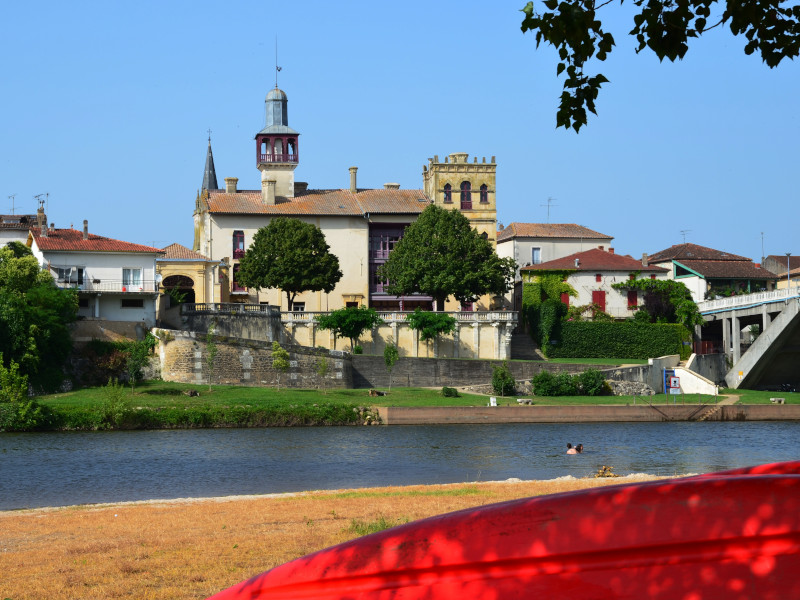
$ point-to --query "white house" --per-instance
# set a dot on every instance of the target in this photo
(593, 272)
(536, 243)
(15, 228)
(116, 280)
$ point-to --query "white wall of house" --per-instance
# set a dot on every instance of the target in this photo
(13, 235)
(348, 238)
(102, 283)
(616, 301)
(522, 249)
(697, 285)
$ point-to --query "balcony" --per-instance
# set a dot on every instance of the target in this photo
(111, 285)
(277, 158)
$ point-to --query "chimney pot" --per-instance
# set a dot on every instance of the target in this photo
(601, 247)
(268, 191)
(611, 251)
(645, 261)
(577, 262)
(230, 184)
(300, 186)
(391, 186)
(85, 229)
(353, 186)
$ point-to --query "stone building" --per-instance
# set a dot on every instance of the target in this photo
(361, 226)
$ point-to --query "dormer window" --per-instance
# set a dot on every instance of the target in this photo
(448, 193)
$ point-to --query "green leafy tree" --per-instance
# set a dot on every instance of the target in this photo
(138, 355)
(350, 322)
(34, 319)
(18, 412)
(430, 325)
(574, 28)
(390, 357)
(503, 382)
(665, 301)
(280, 361)
(290, 255)
(441, 255)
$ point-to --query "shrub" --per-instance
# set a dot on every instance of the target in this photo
(17, 411)
(629, 339)
(358, 349)
(592, 383)
(503, 382)
(115, 408)
(449, 392)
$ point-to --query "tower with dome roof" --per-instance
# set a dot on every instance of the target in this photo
(276, 149)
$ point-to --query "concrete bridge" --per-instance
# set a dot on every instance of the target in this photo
(773, 359)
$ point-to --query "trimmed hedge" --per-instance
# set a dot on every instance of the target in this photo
(628, 339)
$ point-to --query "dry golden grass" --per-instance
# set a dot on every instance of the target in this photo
(193, 549)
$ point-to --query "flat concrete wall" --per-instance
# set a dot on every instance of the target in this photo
(370, 371)
(466, 415)
(651, 374)
(243, 326)
(711, 366)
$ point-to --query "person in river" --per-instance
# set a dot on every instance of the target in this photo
(579, 448)
(570, 449)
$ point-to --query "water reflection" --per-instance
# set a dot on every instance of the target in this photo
(74, 468)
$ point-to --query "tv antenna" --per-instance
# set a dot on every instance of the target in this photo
(12, 197)
(277, 68)
(548, 205)
(683, 233)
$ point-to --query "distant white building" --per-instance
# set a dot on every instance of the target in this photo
(593, 273)
(116, 280)
(535, 243)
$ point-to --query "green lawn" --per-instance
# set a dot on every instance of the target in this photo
(758, 397)
(598, 361)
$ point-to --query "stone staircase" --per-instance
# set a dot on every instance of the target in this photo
(712, 410)
(523, 347)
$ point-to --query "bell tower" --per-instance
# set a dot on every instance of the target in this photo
(466, 186)
(276, 149)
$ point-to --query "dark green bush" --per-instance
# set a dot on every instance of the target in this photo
(589, 383)
(503, 382)
(629, 339)
(449, 392)
(592, 383)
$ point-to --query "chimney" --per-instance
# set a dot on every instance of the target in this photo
(43, 228)
(85, 229)
(644, 259)
(577, 262)
(230, 184)
(267, 191)
(391, 186)
(601, 248)
(611, 251)
(300, 186)
(353, 187)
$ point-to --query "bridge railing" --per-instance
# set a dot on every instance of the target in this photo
(744, 300)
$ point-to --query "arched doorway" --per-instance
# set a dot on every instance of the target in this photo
(178, 289)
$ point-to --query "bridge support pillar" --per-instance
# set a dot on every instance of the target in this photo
(726, 336)
(737, 339)
(766, 318)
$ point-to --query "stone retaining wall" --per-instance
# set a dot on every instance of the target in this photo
(248, 362)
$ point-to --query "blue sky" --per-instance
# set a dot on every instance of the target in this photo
(105, 106)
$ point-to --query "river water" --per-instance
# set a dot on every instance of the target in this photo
(61, 469)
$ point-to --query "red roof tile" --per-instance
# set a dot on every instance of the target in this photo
(179, 252)
(71, 240)
(595, 260)
(549, 230)
(692, 252)
(321, 202)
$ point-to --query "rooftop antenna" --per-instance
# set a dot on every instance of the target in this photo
(762, 247)
(548, 205)
(12, 197)
(277, 68)
(683, 233)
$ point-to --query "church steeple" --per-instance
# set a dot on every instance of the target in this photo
(210, 175)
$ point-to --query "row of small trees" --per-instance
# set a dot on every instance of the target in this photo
(440, 255)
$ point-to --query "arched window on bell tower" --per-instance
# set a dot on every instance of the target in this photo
(448, 193)
(484, 194)
(466, 195)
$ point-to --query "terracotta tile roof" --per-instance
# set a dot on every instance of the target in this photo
(727, 269)
(71, 240)
(682, 252)
(595, 260)
(21, 222)
(549, 230)
(180, 252)
(780, 260)
(321, 202)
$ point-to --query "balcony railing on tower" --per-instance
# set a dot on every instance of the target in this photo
(278, 158)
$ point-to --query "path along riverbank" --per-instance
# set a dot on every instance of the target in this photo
(189, 549)
(642, 412)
